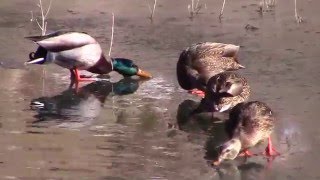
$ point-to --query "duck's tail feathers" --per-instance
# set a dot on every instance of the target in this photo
(231, 50)
(35, 61)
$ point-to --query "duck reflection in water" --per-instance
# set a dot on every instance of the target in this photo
(78, 107)
(189, 121)
(241, 171)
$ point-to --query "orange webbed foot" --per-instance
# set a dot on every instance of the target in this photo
(197, 92)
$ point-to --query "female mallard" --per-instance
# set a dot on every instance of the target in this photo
(249, 123)
(79, 51)
(201, 61)
(224, 91)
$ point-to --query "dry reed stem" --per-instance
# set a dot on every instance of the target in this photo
(298, 18)
(112, 31)
(153, 10)
(222, 9)
(194, 8)
(44, 14)
(43, 25)
(43, 28)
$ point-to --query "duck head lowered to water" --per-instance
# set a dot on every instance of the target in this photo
(249, 123)
(79, 51)
(224, 91)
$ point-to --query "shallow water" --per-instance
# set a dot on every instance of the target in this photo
(133, 129)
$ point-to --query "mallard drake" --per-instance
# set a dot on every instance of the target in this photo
(249, 123)
(224, 91)
(201, 61)
(79, 51)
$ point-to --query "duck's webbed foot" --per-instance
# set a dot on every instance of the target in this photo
(78, 78)
(270, 150)
(246, 153)
(197, 92)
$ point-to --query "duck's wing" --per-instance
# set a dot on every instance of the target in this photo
(62, 40)
(213, 58)
(212, 49)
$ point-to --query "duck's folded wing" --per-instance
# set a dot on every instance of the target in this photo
(62, 40)
(210, 49)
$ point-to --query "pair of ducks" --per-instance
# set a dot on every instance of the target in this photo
(204, 69)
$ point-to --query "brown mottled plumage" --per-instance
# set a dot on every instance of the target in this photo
(249, 123)
(252, 122)
(201, 61)
(224, 91)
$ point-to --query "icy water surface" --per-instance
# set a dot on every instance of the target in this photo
(134, 129)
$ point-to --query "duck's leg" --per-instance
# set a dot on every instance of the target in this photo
(246, 153)
(197, 92)
(270, 151)
(79, 78)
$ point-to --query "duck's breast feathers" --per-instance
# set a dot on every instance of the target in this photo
(63, 40)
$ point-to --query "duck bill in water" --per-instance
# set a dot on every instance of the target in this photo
(144, 74)
(35, 61)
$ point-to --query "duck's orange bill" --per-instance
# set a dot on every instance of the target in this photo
(144, 74)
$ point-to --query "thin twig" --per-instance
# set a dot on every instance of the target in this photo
(298, 18)
(42, 18)
(39, 25)
(32, 19)
(197, 4)
(222, 8)
(192, 6)
(154, 8)
(112, 31)
(48, 9)
(149, 6)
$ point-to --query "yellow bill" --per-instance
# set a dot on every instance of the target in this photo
(144, 74)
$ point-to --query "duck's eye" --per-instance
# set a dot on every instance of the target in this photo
(228, 150)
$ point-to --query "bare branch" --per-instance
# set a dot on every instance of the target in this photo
(39, 24)
(222, 8)
(112, 31)
(45, 27)
(298, 18)
(149, 6)
(154, 8)
(192, 6)
(48, 9)
(197, 4)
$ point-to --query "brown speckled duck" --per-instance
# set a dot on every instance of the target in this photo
(201, 61)
(249, 123)
(223, 92)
